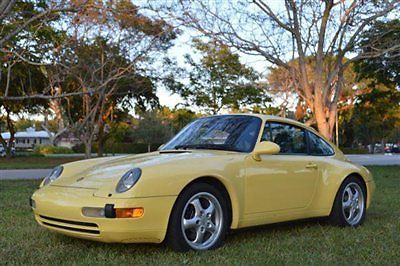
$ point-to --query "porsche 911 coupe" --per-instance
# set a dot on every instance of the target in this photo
(218, 173)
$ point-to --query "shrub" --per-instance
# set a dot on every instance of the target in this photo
(49, 149)
(347, 150)
(119, 147)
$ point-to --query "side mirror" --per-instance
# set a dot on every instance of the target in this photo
(265, 147)
(161, 146)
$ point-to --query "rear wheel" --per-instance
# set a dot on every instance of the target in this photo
(350, 203)
(199, 220)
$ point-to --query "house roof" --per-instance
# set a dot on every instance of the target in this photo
(28, 133)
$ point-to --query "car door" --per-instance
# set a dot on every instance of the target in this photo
(285, 181)
(321, 152)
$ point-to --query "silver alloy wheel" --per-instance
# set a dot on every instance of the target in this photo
(202, 221)
(353, 203)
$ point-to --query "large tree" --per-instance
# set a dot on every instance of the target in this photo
(26, 42)
(376, 116)
(384, 69)
(281, 32)
(218, 80)
(28, 35)
(101, 64)
(280, 83)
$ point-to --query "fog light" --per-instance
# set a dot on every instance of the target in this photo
(93, 212)
(129, 212)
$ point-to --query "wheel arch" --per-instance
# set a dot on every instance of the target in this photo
(228, 191)
(352, 174)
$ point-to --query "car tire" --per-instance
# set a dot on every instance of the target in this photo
(199, 219)
(349, 208)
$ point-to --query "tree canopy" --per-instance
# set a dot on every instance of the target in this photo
(219, 80)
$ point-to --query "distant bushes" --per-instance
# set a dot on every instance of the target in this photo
(119, 147)
(49, 149)
(346, 150)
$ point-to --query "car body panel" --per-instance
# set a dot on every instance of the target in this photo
(277, 188)
(66, 203)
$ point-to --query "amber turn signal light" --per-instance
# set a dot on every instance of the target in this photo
(129, 212)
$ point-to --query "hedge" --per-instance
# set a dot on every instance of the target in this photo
(49, 149)
(347, 150)
(119, 147)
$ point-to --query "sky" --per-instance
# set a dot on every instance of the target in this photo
(182, 46)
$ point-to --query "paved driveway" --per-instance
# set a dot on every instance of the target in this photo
(24, 174)
(364, 159)
(375, 159)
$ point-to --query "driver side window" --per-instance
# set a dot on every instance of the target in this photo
(291, 139)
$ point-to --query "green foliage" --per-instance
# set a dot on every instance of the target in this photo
(119, 131)
(152, 129)
(384, 69)
(49, 149)
(376, 115)
(177, 118)
(23, 124)
(219, 80)
(347, 150)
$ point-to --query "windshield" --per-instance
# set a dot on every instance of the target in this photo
(225, 132)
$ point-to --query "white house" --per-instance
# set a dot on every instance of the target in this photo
(29, 138)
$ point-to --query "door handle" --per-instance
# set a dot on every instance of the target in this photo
(311, 166)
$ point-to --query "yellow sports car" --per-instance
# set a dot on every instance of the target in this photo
(219, 173)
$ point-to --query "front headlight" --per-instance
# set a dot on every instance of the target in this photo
(54, 174)
(128, 180)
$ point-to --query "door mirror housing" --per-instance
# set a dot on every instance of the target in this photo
(265, 147)
(160, 147)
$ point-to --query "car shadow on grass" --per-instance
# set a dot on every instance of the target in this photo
(232, 238)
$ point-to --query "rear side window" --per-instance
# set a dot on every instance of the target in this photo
(291, 139)
(318, 146)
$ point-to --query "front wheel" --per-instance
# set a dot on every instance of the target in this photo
(199, 220)
(350, 203)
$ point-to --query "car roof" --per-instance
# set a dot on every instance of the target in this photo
(271, 117)
(265, 117)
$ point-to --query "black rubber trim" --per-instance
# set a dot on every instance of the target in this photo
(109, 211)
(97, 232)
(69, 222)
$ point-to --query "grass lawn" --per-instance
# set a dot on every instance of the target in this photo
(22, 241)
(32, 162)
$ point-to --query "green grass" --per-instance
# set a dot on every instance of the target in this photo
(22, 241)
(35, 162)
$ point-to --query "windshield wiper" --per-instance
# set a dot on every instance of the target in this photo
(208, 147)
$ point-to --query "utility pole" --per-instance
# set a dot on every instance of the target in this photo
(337, 127)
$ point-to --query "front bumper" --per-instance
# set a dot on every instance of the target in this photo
(60, 209)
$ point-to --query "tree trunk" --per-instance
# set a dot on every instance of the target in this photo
(88, 149)
(320, 118)
(148, 147)
(101, 140)
(100, 147)
(11, 129)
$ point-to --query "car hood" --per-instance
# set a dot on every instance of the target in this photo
(97, 173)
